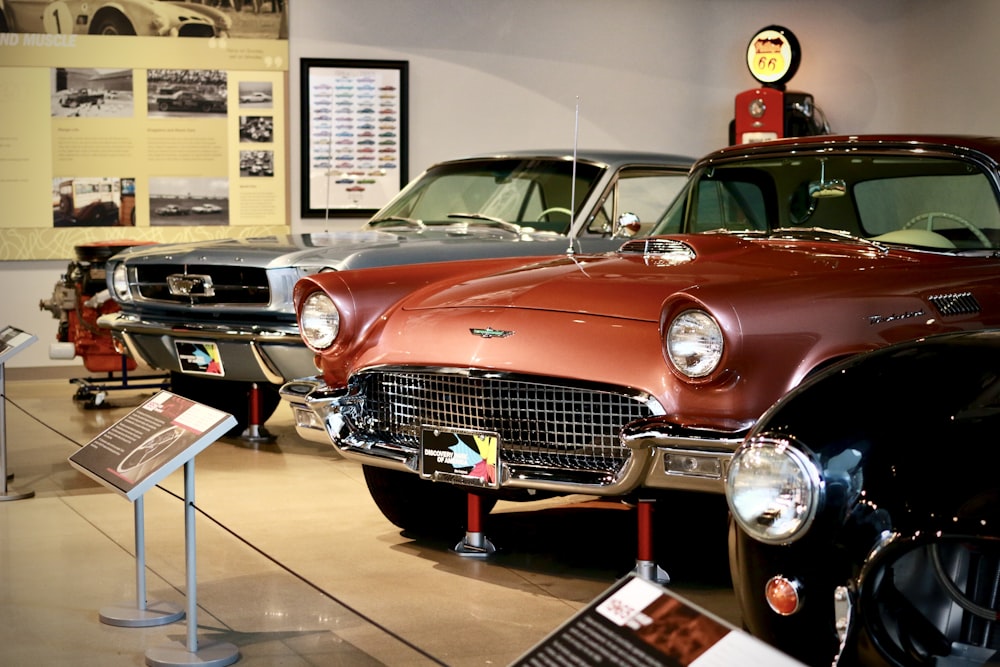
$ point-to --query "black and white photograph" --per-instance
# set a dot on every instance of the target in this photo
(247, 19)
(256, 94)
(256, 163)
(187, 93)
(91, 92)
(188, 200)
(257, 129)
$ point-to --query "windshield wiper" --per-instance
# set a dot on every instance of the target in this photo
(491, 220)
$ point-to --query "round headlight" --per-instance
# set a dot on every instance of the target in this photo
(319, 321)
(119, 283)
(694, 343)
(773, 490)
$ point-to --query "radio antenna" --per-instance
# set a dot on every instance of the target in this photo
(572, 185)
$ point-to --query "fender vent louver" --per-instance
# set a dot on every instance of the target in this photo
(960, 303)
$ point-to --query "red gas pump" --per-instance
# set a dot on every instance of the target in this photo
(769, 111)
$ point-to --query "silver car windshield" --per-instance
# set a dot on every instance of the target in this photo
(927, 202)
(530, 192)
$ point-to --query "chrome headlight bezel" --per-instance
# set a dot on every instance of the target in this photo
(118, 282)
(319, 321)
(694, 344)
(774, 489)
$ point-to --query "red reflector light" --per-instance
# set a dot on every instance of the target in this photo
(782, 595)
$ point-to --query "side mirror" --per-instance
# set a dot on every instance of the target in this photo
(627, 225)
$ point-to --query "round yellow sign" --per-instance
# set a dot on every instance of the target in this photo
(773, 55)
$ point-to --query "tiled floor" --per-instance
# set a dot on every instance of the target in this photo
(295, 565)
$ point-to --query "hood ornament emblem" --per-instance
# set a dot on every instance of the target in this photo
(186, 284)
(490, 332)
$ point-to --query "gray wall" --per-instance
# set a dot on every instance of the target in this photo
(649, 74)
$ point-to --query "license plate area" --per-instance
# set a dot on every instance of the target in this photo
(461, 457)
(199, 357)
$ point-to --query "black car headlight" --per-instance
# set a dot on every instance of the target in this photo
(119, 282)
(319, 321)
(694, 343)
(773, 489)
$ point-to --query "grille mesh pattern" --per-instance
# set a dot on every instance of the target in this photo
(232, 284)
(539, 424)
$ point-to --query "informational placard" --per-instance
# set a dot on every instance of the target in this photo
(122, 126)
(642, 624)
(13, 341)
(150, 442)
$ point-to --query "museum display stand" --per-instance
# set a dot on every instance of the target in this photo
(12, 341)
(132, 457)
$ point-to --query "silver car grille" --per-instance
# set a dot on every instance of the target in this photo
(239, 285)
(542, 424)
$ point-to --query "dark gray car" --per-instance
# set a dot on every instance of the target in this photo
(218, 314)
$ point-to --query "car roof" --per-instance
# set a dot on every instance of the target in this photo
(610, 157)
(988, 146)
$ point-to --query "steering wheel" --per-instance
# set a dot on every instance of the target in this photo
(930, 215)
(554, 209)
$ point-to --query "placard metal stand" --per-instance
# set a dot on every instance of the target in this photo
(216, 654)
(12, 341)
(144, 614)
(171, 430)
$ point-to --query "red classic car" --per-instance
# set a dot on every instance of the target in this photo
(643, 369)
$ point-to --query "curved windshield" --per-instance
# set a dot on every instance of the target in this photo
(927, 202)
(530, 192)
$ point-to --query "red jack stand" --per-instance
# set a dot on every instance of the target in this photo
(645, 566)
(475, 544)
(255, 433)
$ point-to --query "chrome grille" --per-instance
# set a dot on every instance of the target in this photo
(231, 284)
(961, 303)
(540, 424)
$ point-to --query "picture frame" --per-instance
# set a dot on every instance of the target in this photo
(354, 135)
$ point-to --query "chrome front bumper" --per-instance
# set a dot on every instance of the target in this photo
(663, 456)
(251, 353)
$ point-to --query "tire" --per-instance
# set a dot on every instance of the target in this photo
(232, 396)
(164, 106)
(418, 506)
(112, 25)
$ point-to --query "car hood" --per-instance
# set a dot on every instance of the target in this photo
(319, 250)
(632, 284)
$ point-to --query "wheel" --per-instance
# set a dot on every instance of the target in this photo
(112, 24)
(554, 209)
(232, 396)
(419, 506)
(930, 215)
(164, 106)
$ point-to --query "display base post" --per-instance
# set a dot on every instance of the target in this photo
(10, 494)
(255, 433)
(206, 655)
(6, 493)
(155, 613)
(474, 544)
(213, 654)
(645, 565)
(143, 614)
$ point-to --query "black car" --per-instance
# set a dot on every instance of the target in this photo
(866, 505)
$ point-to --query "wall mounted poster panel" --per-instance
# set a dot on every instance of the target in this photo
(354, 135)
(119, 127)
